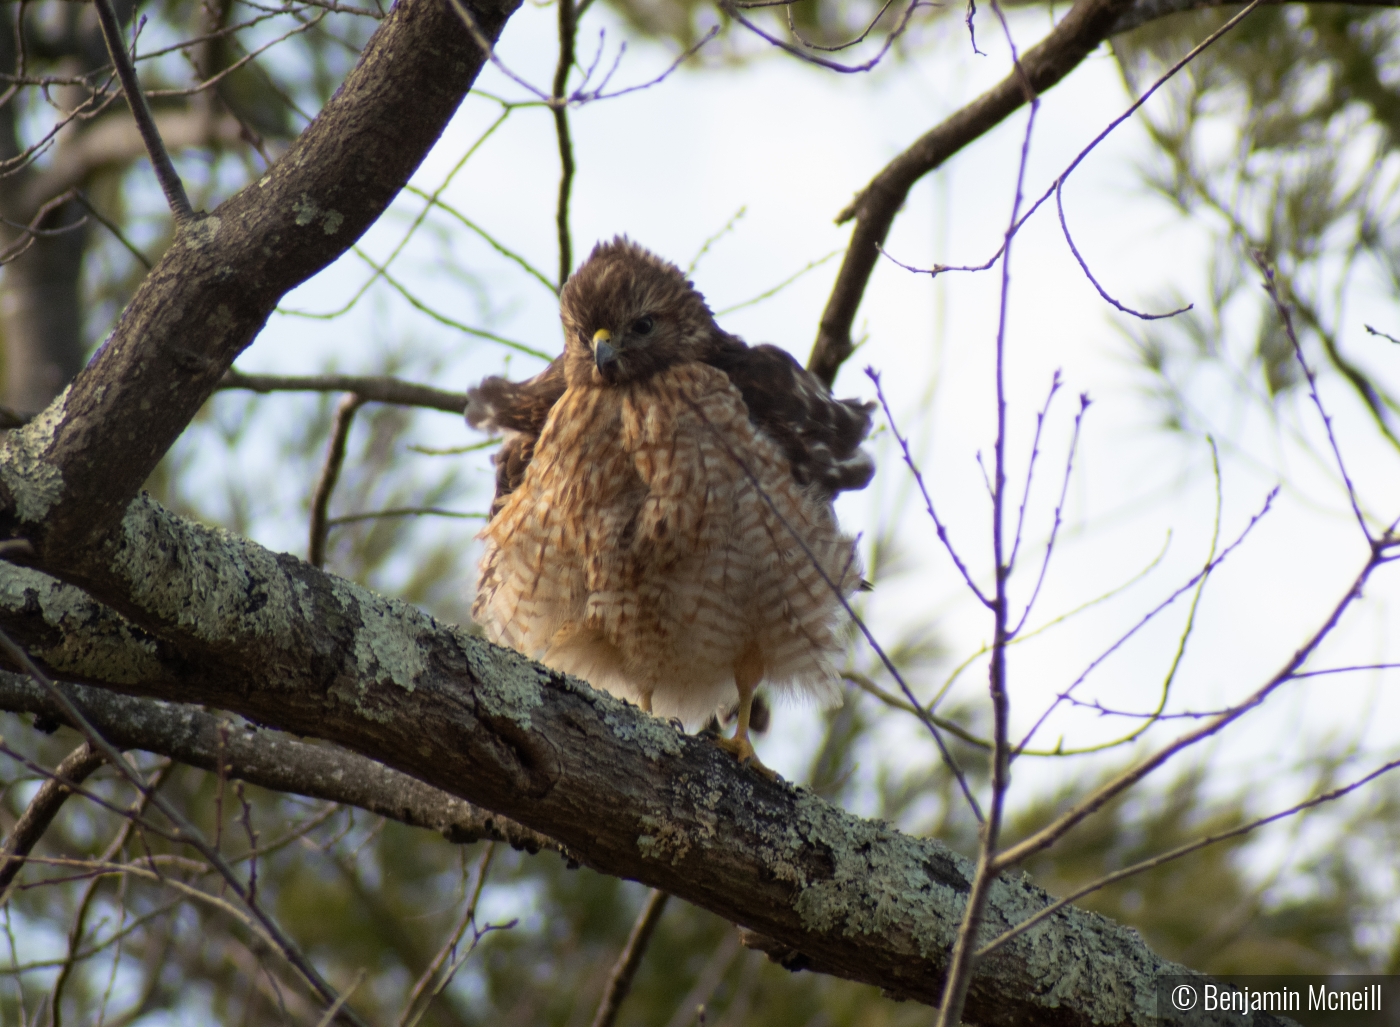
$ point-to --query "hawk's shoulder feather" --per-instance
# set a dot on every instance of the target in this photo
(819, 434)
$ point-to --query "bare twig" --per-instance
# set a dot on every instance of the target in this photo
(1381, 334)
(792, 27)
(1052, 832)
(963, 958)
(845, 69)
(875, 207)
(330, 473)
(1086, 25)
(629, 959)
(1177, 853)
(467, 919)
(1083, 266)
(581, 95)
(381, 389)
(774, 290)
(114, 228)
(79, 925)
(705, 246)
(187, 832)
(170, 183)
(32, 231)
(1030, 470)
(1271, 287)
(42, 809)
(1152, 615)
(486, 236)
(405, 511)
(568, 34)
(938, 524)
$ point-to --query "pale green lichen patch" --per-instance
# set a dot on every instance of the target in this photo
(95, 642)
(1084, 960)
(200, 232)
(666, 841)
(210, 582)
(507, 684)
(628, 724)
(879, 882)
(34, 482)
(305, 210)
(388, 642)
(332, 222)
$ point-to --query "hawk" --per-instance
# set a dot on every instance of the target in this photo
(663, 524)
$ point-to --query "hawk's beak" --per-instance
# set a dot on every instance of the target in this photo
(604, 355)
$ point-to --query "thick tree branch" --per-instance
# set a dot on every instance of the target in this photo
(214, 288)
(1088, 23)
(274, 639)
(269, 760)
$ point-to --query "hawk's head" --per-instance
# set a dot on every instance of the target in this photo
(628, 314)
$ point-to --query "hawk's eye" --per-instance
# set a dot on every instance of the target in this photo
(643, 325)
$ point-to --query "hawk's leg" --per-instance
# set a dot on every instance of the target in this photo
(748, 672)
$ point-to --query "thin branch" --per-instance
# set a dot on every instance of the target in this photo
(42, 809)
(188, 833)
(792, 27)
(705, 246)
(486, 236)
(467, 919)
(330, 473)
(1383, 335)
(1271, 287)
(1083, 265)
(963, 958)
(1152, 615)
(1059, 512)
(1052, 832)
(938, 524)
(1088, 23)
(405, 511)
(1177, 853)
(170, 183)
(79, 925)
(769, 293)
(32, 231)
(378, 389)
(629, 959)
(568, 33)
(439, 317)
(1040, 416)
(579, 96)
(846, 69)
(114, 228)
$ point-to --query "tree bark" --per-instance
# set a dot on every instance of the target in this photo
(282, 643)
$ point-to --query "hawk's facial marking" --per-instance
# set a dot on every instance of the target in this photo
(653, 317)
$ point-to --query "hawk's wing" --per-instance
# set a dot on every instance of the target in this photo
(820, 435)
(516, 410)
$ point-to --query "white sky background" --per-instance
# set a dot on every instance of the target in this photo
(672, 164)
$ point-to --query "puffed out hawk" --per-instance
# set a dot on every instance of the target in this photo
(663, 523)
